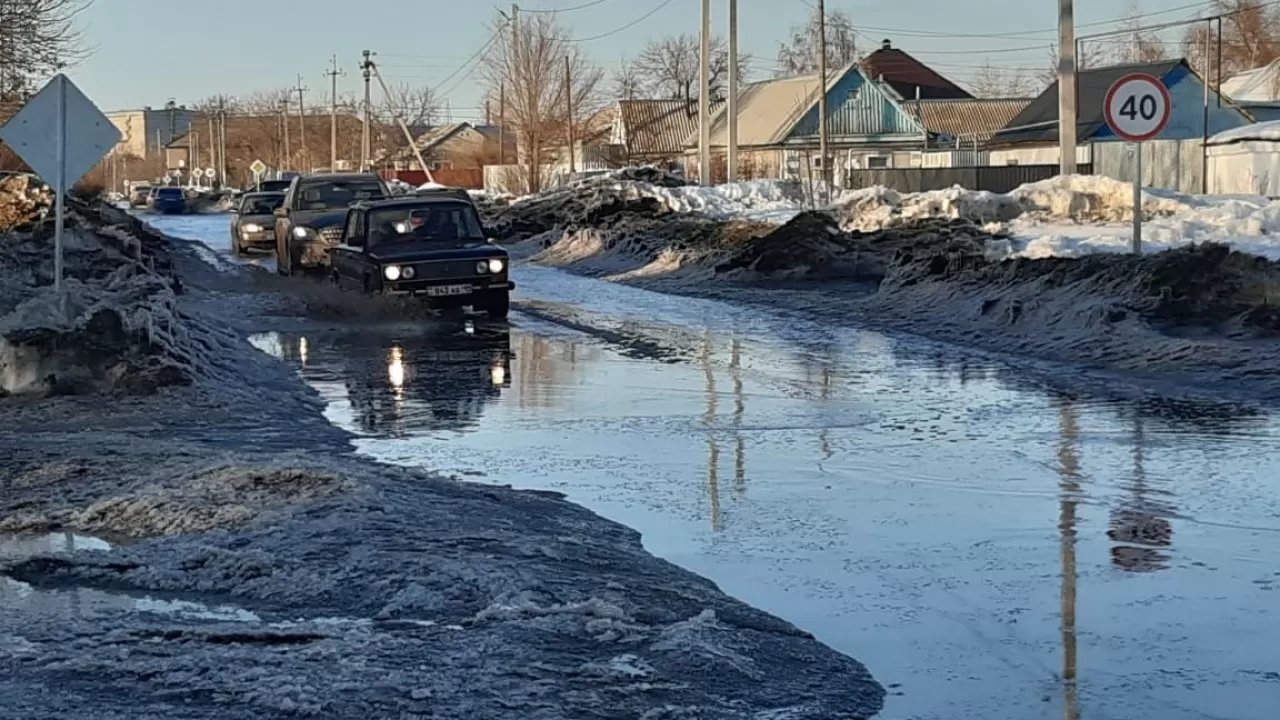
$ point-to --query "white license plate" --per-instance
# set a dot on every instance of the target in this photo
(439, 290)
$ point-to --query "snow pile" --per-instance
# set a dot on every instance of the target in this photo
(399, 187)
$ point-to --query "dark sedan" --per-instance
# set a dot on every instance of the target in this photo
(431, 248)
(253, 222)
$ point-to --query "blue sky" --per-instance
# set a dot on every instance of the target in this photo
(148, 52)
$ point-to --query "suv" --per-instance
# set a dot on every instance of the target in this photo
(310, 220)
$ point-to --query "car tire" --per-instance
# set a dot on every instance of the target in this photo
(500, 308)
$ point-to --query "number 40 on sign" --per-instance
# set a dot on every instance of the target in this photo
(1137, 108)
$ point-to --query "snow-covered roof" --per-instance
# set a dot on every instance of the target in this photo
(1258, 85)
(1264, 131)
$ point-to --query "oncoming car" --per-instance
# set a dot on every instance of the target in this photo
(309, 221)
(253, 221)
(432, 247)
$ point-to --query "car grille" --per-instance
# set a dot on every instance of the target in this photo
(446, 269)
(331, 236)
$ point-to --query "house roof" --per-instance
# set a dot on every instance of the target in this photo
(768, 110)
(1038, 122)
(1259, 85)
(905, 75)
(977, 119)
(659, 127)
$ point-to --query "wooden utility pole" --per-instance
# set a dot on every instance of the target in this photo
(366, 148)
(731, 110)
(222, 141)
(284, 123)
(822, 102)
(1067, 88)
(568, 101)
(302, 123)
(502, 124)
(333, 74)
(704, 97)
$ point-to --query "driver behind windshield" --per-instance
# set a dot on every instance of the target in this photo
(442, 223)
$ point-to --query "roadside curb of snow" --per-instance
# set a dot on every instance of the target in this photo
(359, 589)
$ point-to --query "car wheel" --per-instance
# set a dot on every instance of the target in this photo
(500, 308)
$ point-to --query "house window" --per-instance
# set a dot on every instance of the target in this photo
(877, 162)
(853, 95)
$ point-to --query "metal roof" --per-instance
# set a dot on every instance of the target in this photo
(907, 75)
(1038, 122)
(767, 110)
(969, 119)
(659, 127)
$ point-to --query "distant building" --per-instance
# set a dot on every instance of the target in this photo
(147, 131)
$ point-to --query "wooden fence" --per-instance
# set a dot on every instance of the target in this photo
(1000, 179)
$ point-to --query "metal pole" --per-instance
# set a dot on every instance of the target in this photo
(212, 135)
(222, 141)
(60, 184)
(1204, 121)
(284, 122)
(1137, 198)
(1066, 88)
(502, 124)
(302, 123)
(825, 158)
(365, 146)
(333, 74)
(568, 99)
(704, 98)
(731, 109)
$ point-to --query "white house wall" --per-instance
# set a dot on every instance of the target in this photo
(1040, 155)
(1249, 168)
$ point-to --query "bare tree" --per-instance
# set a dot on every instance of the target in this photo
(530, 63)
(1137, 44)
(417, 106)
(1092, 55)
(799, 55)
(627, 82)
(37, 38)
(669, 67)
(994, 82)
(1250, 39)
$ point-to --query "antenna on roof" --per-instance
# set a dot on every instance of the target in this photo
(885, 44)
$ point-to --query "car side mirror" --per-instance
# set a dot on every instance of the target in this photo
(281, 212)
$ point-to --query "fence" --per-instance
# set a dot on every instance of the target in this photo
(1166, 164)
(1000, 179)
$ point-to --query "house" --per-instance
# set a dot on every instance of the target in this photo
(1031, 137)
(868, 127)
(960, 128)
(147, 131)
(1259, 85)
(652, 132)
(456, 153)
(907, 77)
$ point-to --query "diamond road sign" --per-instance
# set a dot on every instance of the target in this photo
(197, 173)
(60, 109)
(258, 167)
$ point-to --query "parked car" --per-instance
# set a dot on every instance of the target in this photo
(430, 246)
(170, 201)
(138, 195)
(309, 221)
(253, 221)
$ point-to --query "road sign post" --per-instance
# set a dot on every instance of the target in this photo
(257, 167)
(60, 154)
(196, 174)
(1137, 108)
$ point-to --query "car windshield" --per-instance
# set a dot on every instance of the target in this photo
(169, 192)
(437, 222)
(261, 204)
(335, 195)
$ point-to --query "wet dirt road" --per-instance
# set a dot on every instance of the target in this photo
(979, 541)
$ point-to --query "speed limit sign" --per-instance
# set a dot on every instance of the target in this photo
(1137, 107)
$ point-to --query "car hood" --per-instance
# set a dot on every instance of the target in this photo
(435, 250)
(319, 218)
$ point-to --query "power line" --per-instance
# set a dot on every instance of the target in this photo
(583, 6)
(628, 26)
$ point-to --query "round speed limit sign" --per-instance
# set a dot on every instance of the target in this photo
(1137, 107)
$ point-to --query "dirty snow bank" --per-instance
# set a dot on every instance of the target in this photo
(338, 588)
(949, 265)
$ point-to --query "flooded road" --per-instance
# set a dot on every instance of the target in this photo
(980, 542)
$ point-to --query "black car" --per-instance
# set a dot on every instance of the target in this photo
(309, 221)
(431, 247)
(253, 221)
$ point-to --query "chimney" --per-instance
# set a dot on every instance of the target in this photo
(885, 44)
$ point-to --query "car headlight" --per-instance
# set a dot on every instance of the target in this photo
(301, 232)
(482, 267)
(496, 265)
(252, 227)
(407, 272)
(391, 272)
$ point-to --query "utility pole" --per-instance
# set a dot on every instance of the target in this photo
(704, 97)
(822, 102)
(366, 149)
(502, 124)
(568, 100)
(222, 140)
(408, 136)
(302, 123)
(731, 110)
(284, 122)
(213, 132)
(333, 74)
(1066, 87)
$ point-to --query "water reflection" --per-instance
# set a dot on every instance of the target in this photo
(438, 379)
(1069, 488)
(1140, 529)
